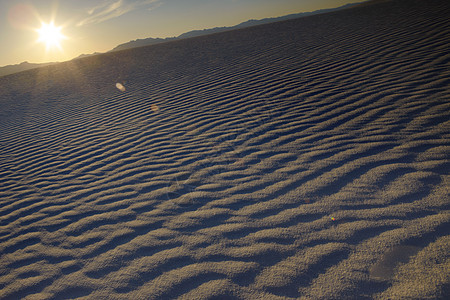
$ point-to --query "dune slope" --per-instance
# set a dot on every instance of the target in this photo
(301, 159)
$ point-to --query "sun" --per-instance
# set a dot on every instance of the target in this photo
(50, 35)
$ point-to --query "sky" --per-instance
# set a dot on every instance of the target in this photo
(88, 26)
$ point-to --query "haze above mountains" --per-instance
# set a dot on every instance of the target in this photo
(10, 69)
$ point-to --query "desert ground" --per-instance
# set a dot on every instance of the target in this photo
(302, 159)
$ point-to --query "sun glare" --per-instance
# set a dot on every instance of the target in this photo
(50, 35)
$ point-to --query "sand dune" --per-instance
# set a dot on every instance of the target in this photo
(302, 159)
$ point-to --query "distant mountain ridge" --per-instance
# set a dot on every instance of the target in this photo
(249, 23)
(10, 69)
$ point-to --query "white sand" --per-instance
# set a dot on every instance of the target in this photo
(302, 159)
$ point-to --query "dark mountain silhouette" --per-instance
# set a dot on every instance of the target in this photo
(21, 67)
(87, 55)
(249, 23)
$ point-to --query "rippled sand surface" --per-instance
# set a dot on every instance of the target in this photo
(302, 159)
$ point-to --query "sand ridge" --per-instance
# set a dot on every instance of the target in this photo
(301, 159)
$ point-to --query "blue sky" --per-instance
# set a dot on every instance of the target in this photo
(100, 25)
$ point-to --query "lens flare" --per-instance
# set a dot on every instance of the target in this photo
(20, 16)
(120, 87)
(154, 107)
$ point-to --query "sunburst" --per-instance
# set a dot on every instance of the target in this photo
(50, 35)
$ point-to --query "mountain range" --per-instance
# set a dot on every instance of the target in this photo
(10, 69)
(249, 23)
